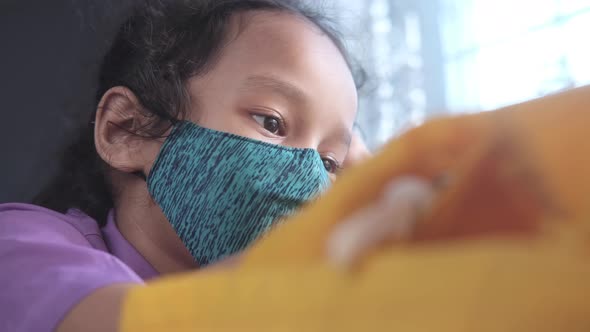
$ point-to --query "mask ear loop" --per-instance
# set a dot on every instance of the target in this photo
(139, 174)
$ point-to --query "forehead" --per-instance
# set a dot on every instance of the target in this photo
(297, 38)
(289, 47)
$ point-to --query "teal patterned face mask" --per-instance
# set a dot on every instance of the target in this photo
(220, 191)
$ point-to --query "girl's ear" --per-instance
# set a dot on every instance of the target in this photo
(119, 134)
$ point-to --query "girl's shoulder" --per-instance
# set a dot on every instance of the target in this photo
(28, 222)
(50, 262)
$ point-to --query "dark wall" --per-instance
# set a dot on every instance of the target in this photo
(50, 51)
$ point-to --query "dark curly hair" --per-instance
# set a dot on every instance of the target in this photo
(157, 49)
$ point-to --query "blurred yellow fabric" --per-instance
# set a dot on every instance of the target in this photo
(506, 246)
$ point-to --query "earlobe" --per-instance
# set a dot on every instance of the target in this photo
(118, 142)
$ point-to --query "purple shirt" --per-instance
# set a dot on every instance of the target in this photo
(50, 261)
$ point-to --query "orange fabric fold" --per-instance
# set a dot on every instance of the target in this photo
(506, 246)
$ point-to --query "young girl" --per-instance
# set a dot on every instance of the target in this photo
(214, 119)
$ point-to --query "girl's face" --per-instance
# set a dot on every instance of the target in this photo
(279, 79)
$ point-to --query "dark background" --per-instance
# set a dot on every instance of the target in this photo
(49, 57)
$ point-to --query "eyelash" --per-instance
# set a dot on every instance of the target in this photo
(337, 166)
(282, 126)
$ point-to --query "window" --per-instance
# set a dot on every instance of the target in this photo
(501, 52)
(431, 56)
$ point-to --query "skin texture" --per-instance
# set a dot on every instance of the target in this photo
(276, 66)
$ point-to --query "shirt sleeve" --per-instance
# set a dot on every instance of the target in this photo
(46, 268)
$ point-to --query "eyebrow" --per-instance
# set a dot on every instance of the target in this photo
(277, 85)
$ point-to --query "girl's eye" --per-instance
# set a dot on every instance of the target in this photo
(270, 123)
(330, 165)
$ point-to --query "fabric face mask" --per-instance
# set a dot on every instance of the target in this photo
(221, 191)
